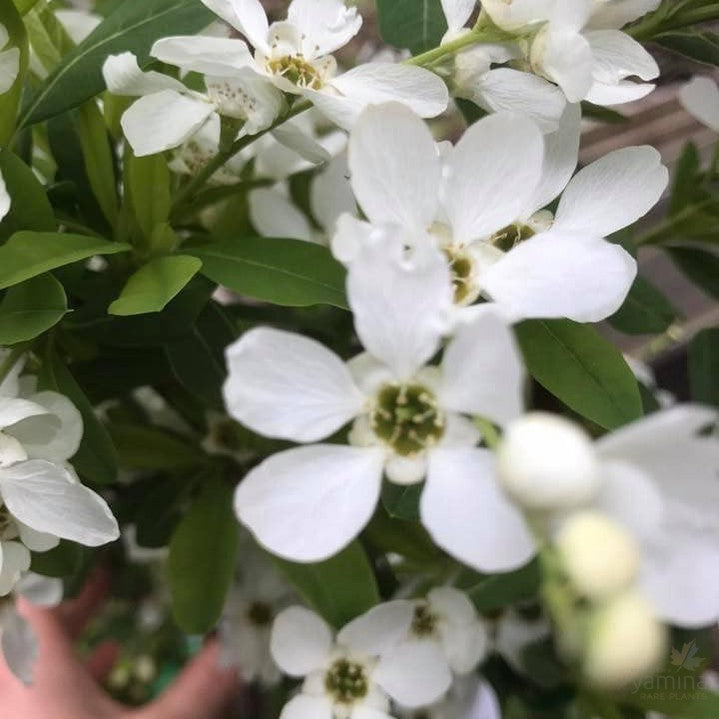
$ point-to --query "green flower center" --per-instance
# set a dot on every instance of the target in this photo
(511, 236)
(346, 681)
(297, 70)
(462, 269)
(407, 418)
(424, 623)
(260, 614)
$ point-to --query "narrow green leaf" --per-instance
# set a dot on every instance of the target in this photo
(281, 271)
(645, 311)
(133, 27)
(96, 460)
(29, 207)
(704, 366)
(152, 287)
(698, 46)
(10, 101)
(402, 501)
(31, 308)
(202, 559)
(340, 588)
(579, 367)
(414, 24)
(151, 448)
(602, 114)
(60, 562)
(27, 254)
(686, 176)
(700, 266)
(499, 590)
(148, 190)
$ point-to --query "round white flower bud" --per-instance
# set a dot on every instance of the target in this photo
(626, 642)
(547, 462)
(600, 557)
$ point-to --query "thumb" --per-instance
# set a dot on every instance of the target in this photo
(202, 689)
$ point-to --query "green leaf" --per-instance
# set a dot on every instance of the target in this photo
(99, 161)
(11, 20)
(24, 6)
(703, 366)
(96, 460)
(31, 308)
(340, 588)
(602, 114)
(499, 590)
(414, 24)
(285, 272)
(406, 538)
(27, 254)
(29, 209)
(151, 448)
(686, 177)
(133, 27)
(645, 311)
(203, 552)
(698, 46)
(60, 562)
(402, 501)
(152, 287)
(700, 266)
(148, 190)
(685, 702)
(582, 369)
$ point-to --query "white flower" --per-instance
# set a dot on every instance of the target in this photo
(78, 23)
(295, 56)
(168, 113)
(445, 626)
(351, 678)
(481, 207)
(9, 61)
(700, 98)
(409, 419)
(5, 201)
(468, 698)
(580, 46)
(254, 603)
(515, 630)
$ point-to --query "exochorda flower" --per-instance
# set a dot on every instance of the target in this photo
(700, 98)
(9, 61)
(632, 476)
(479, 202)
(409, 419)
(580, 45)
(353, 677)
(5, 201)
(468, 698)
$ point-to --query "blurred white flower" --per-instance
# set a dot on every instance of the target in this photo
(409, 418)
(700, 98)
(9, 61)
(468, 698)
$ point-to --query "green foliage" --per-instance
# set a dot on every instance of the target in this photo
(31, 308)
(340, 588)
(645, 311)
(417, 25)
(499, 590)
(699, 265)
(581, 369)
(203, 551)
(61, 562)
(10, 18)
(131, 27)
(285, 272)
(27, 254)
(155, 284)
(704, 367)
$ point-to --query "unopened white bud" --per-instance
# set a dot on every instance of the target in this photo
(600, 557)
(626, 642)
(547, 462)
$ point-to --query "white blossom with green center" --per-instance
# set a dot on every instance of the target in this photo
(482, 202)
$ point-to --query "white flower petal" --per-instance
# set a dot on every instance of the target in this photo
(491, 175)
(618, 56)
(507, 90)
(274, 215)
(78, 23)
(618, 14)
(561, 274)
(618, 93)
(162, 121)
(400, 303)
(217, 56)
(467, 514)
(246, 16)
(5, 201)
(331, 194)
(457, 13)
(284, 385)
(41, 591)
(123, 76)
(303, 706)
(14, 562)
(485, 704)
(452, 604)
(9, 68)
(308, 503)
(43, 437)
(46, 498)
(518, 14)
(566, 58)
(465, 645)
(301, 641)
(700, 98)
(13, 411)
(379, 630)
(295, 138)
(613, 192)
(395, 167)
(19, 645)
(561, 153)
(414, 674)
(325, 25)
(36, 541)
(482, 371)
(364, 712)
